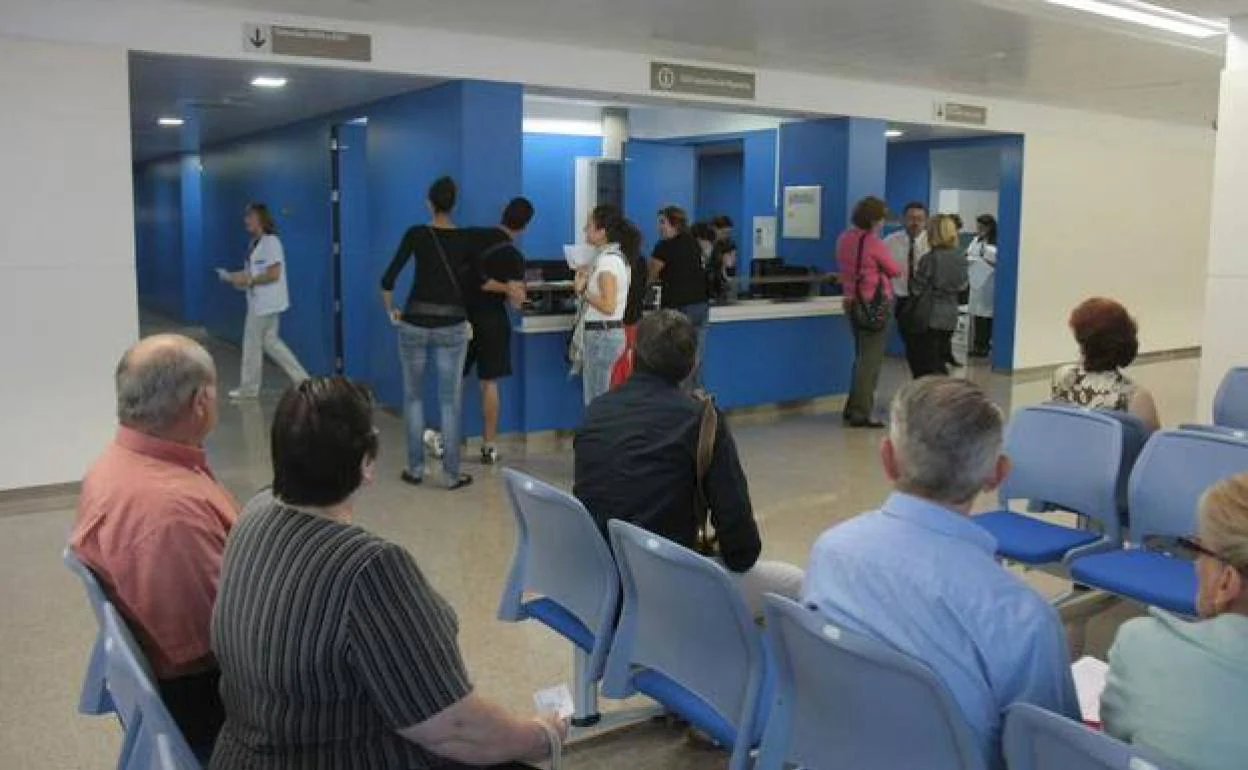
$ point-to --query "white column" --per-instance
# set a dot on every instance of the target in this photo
(614, 132)
(1224, 340)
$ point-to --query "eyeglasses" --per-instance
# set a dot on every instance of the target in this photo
(1191, 548)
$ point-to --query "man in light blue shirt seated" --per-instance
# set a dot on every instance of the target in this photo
(919, 575)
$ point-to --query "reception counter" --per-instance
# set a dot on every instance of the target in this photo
(758, 352)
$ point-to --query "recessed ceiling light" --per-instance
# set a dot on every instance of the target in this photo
(170, 121)
(1148, 15)
(894, 133)
(268, 81)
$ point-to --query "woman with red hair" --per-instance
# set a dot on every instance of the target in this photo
(1108, 341)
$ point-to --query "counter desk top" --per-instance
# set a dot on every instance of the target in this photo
(745, 310)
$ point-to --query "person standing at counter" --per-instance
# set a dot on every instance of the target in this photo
(264, 280)
(635, 306)
(723, 261)
(502, 265)
(866, 268)
(677, 262)
(932, 313)
(434, 319)
(908, 246)
(982, 256)
(603, 286)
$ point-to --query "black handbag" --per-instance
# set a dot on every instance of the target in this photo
(868, 315)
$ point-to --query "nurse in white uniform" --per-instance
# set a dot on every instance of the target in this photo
(264, 280)
(982, 255)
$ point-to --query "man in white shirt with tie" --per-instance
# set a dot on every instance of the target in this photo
(908, 246)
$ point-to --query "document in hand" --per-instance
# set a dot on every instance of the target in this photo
(1090, 675)
(579, 255)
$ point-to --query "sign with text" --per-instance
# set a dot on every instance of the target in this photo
(967, 114)
(703, 81)
(302, 41)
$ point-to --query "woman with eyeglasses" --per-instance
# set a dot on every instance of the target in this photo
(335, 650)
(1181, 687)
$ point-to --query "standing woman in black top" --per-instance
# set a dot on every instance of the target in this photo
(434, 319)
(677, 262)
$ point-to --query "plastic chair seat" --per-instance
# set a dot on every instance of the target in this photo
(1145, 576)
(1032, 541)
(690, 707)
(556, 617)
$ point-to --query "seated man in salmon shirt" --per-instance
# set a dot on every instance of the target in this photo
(152, 522)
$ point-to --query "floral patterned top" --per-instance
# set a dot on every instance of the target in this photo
(1072, 384)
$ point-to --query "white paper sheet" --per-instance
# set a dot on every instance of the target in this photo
(579, 255)
(557, 699)
(1090, 675)
(979, 272)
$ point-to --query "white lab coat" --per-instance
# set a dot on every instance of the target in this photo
(983, 292)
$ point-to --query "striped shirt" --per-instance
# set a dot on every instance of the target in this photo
(329, 640)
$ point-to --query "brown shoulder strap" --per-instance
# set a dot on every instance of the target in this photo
(707, 430)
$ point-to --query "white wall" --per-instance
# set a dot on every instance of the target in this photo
(67, 284)
(965, 168)
(1122, 215)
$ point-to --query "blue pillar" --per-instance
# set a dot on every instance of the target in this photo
(1009, 230)
(847, 158)
(491, 149)
(194, 268)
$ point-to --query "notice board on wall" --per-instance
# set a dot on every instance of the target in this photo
(803, 212)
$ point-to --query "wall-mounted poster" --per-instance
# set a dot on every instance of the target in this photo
(803, 210)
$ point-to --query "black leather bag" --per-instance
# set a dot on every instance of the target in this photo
(868, 315)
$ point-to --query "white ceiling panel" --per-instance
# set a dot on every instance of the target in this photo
(216, 99)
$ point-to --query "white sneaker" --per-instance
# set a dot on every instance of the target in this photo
(435, 443)
(489, 454)
(240, 395)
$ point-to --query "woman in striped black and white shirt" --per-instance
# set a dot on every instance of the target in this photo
(335, 652)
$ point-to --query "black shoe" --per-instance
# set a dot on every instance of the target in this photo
(870, 423)
(408, 478)
(461, 482)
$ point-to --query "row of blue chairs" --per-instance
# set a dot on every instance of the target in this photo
(1230, 403)
(1133, 494)
(119, 681)
(801, 692)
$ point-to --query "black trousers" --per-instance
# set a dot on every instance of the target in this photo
(195, 704)
(982, 335)
(931, 349)
(914, 344)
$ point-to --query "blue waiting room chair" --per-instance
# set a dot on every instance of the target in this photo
(686, 639)
(147, 722)
(94, 698)
(1174, 470)
(845, 702)
(563, 576)
(1035, 739)
(1230, 403)
(1071, 459)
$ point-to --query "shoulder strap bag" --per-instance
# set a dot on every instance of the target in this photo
(869, 315)
(707, 542)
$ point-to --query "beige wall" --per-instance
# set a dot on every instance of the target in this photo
(1122, 215)
(67, 284)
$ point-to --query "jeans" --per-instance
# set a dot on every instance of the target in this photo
(450, 347)
(768, 577)
(868, 358)
(260, 337)
(603, 347)
(700, 316)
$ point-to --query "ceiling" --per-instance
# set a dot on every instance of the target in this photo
(1020, 49)
(218, 102)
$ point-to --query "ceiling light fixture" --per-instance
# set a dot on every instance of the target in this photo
(268, 81)
(894, 133)
(1148, 15)
(170, 121)
(563, 127)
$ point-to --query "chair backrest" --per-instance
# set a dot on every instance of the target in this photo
(1135, 434)
(139, 705)
(1230, 404)
(845, 701)
(95, 593)
(1174, 470)
(684, 617)
(1067, 456)
(1036, 739)
(561, 554)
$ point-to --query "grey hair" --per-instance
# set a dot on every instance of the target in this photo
(156, 387)
(947, 435)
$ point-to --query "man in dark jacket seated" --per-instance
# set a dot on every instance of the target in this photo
(636, 460)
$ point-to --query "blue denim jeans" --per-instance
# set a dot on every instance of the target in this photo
(450, 346)
(602, 349)
(700, 316)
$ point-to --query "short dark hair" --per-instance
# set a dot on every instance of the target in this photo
(676, 217)
(268, 225)
(702, 231)
(869, 212)
(913, 206)
(1108, 336)
(517, 214)
(322, 434)
(442, 195)
(989, 223)
(723, 220)
(667, 346)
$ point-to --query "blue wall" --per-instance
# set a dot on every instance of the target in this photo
(195, 270)
(847, 157)
(721, 187)
(909, 174)
(158, 236)
(359, 284)
(549, 176)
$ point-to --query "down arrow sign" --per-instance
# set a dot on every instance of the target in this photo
(257, 39)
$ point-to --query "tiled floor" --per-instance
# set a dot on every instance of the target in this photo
(806, 473)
